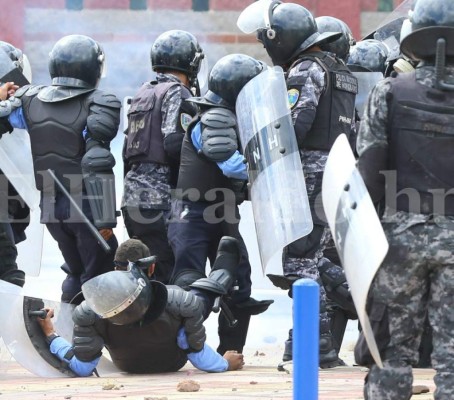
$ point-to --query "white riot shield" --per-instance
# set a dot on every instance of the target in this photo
(356, 229)
(366, 82)
(22, 336)
(277, 187)
(17, 165)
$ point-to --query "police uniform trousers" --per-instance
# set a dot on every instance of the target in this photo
(150, 226)
(417, 276)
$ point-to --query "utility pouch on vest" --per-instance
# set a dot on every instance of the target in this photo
(139, 128)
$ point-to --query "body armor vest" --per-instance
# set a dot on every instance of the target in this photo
(199, 173)
(144, 142)
(421, 141)
(336, 106)
(147, 348)
(56, 139)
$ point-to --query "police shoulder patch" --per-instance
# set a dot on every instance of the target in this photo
(185, 120)
(293, 96)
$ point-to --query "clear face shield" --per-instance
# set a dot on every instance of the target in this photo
(103, 64)
(392, 24)
(202, 76)
(26, 68)
(257, 17)
(113, 292)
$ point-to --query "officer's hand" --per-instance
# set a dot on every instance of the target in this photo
(46, 323)
(106, 233)
(7, 89)
(235, 360)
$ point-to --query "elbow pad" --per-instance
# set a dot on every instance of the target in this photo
(219, 137)
(190, 308)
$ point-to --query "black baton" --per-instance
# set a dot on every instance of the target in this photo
(92, 228)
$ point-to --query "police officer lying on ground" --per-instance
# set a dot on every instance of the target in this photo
(146, 326)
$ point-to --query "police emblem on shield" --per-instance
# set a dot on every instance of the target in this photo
(277, 186)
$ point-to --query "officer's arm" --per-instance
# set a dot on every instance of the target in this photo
(171, 126)
(98, 162)
(372, 141)
(11, 114)
(305, 88)
(207, 359)
(188, 307)
(215, 137)
(87, 343)
(64, 351)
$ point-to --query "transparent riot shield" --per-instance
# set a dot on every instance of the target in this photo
(366, 81)
(277, 187)
(357, 231)
(23, 337)
(17, 165)
(388, 30)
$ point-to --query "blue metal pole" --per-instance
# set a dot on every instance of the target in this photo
(306, 305)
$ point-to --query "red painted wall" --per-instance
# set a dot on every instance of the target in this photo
(12, 22)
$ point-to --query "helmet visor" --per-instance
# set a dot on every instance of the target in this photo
(26, 68)
(202, 76)
(111, 293)
(392, 23)
(256, 16)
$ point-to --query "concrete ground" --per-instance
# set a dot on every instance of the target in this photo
(259, 379)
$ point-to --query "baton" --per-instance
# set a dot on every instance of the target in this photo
(92, 228)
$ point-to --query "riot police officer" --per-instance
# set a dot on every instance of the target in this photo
(14, 213)
(368, 55)
(146, 326)
(321, 93)
(211, 184)
(71, 124)
(158, 119)
(405, 145)
(341, 46)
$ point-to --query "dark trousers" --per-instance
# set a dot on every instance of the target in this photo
(8, 250)
(150, 226)
(83, 255)
(194, 237)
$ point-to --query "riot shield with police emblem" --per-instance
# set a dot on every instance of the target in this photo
(356, 229)
(24, 338)
(276, 181)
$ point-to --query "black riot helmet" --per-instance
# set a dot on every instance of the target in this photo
(368, 55)
(340, 47)
(125, 297)
(432, 22)
(76, 61)
(227, 77)
(177, 50)
(292, 30)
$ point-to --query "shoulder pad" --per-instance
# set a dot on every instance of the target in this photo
(102, 98)
(219, 118)
(83, 315)
(28, 90)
